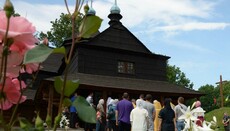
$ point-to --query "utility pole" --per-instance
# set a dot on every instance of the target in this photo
(221, 91)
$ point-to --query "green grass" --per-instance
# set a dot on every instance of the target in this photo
(219, 113)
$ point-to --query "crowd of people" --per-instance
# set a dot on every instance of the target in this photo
(135, 115)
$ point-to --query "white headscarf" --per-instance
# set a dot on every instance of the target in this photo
(139, 103)
(111, 102)
(116, 101)
(101, 101)
(100, 105)
(107, 103)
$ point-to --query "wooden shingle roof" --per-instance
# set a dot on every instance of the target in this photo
(130, 84)
(119, 37)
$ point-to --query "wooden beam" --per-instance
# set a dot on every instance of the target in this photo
(50, 101)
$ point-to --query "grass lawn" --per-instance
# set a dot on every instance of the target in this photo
(219, 113)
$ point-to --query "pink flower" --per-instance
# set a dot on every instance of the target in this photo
(30, 68)
(14, 59)
(11, 93)
(21, 30)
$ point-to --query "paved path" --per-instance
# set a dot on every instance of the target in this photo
(59, 129)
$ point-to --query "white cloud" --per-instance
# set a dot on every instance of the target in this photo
(193, 26)
(164, 15)
(165, 12)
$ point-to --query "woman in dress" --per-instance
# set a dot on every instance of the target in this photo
(166, 117)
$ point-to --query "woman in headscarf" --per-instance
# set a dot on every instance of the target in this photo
(111, 115)
(166, 117)
(139, 117)
(100, 116)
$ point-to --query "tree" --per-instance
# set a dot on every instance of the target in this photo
(61, 29)
(208, 100)
(176, 76)
(226, 93)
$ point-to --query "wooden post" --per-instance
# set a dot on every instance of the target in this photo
(221, 92)
(162, 100)
(50, 102)
(104, 96)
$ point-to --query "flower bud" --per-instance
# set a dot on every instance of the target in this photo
(57, 119)
(48, 120)
(9, 8)
(86, 8)
(38, 122)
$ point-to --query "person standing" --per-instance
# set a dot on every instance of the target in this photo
(108, 104)
(133, 102)
(139, 117)
(147, 104)
(73, 113)
(142, 96)
(225, 121)
(100, 116)
(123, 110)
(166, 117)
(89, 99)
(111, 115)
(199, 113)
(158, 107)
(180, 124)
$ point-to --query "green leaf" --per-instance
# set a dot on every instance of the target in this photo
(58, 84)
(89, 26)
(67, 102)
(85, 112)
(60, 50)
(24, 123)
(38, 54)
(71, 86)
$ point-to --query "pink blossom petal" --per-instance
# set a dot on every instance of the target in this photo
(6, 105)
(13, 95)
(14, 58)
(25, 25)
(21, 30)
(32, 67)
(12, 92)
(17, 84)
(3, 19)
(12, 72)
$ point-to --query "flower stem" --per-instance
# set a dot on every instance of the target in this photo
(16, 107)
(73, 19)
(4, 62)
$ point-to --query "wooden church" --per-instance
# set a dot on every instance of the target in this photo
(109, 63)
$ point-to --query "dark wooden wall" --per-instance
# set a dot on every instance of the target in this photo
(105, 62)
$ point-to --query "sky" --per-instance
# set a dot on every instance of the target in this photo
(194, 33)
